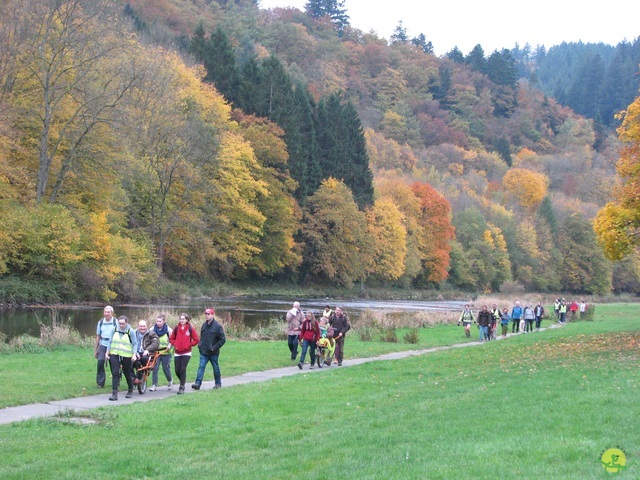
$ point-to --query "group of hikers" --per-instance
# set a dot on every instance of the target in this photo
(129, 350)
(322, 337)
(522, 319)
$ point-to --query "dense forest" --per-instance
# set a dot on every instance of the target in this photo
(152, 141)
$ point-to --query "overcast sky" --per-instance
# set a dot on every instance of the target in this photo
(494, 24)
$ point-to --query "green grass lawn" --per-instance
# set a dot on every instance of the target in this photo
(69, 372)
(537, 406)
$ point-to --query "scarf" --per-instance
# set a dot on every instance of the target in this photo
(161, 331)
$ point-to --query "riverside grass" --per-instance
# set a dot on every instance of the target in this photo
(543, 405)
(69, 371)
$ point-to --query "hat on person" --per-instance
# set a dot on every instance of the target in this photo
(209, 310)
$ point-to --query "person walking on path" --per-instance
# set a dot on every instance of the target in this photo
(495, 319)
(309, 335)
(183, 338)
(104, 332)
(504, 321)
(484, 321)
(466, 319)
(516, 315)
(340, 323)
(163, 331)
(529, 317)
(562, 311)
(212, 339)
(583, 308)
(121, 353)
(294, 322)
(539, 313)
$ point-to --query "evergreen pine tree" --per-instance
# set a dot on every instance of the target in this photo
(476, 60)
(334, 9)
(220, 63)
(198, 45)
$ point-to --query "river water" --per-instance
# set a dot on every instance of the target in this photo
(252, 311)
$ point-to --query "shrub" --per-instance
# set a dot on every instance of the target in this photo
(366, 333)
(412, 336)
(389, 335)
(589, 313)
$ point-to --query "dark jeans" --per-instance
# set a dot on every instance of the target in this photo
(204, 359)
(538, 322)
(165, 360)
(339, 349)
(515, 325)
(101, 375)
(529, 325)
(127, 370)
(181, 362)
(292, 340)
(306, 344)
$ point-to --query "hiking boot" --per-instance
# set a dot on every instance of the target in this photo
(129, 394)
(217, 385)
(339, 364)
(114, 396)
(181, 390)
(196, 386)
(170, 385)
(311, 366)
(300, 365)
(152, 388)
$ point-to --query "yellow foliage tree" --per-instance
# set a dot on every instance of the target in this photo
(528, 187)
(386, 229)
(617, 225)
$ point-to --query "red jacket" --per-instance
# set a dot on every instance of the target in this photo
(310, 330)
(183, 338)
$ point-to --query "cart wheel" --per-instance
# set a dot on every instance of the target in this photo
(142, 386)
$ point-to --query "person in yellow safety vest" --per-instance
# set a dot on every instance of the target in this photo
(466, 319)
(327, 312)
(121, 354)
(563, 311)
(164, 332)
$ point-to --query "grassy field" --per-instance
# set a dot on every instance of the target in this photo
(69, 371)
(538, 406)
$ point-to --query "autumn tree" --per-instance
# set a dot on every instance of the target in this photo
(334, 230)
(527, 186)
(278, 248)
(435, 217)
(75, 70)
(173, 134)
(584, 267)
(618, 223)
(388, 235)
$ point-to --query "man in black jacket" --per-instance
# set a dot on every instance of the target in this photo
(339, 321)
(484, 322)
(212, 338)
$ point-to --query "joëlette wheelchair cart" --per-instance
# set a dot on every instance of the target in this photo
(146, 370)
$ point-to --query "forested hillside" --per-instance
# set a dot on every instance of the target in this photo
(183, 140)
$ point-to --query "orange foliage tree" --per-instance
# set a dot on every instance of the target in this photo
(435, 217)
